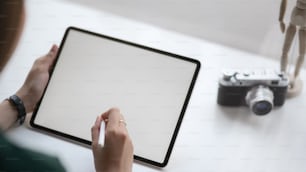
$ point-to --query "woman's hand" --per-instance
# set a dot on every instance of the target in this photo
(117, 153)
(37, 79)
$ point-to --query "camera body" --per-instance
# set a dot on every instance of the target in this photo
(259, 89)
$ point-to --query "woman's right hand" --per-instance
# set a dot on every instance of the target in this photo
(117, 153)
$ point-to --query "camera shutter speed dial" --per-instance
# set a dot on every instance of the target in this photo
(227, 75)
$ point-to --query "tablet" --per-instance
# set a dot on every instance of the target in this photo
(95, 72)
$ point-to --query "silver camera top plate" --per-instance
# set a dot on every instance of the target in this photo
(247, 77)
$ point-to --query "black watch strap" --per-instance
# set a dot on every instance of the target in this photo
(18, 104)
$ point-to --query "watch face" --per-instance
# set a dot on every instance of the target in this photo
(18, 104)
(22, 119)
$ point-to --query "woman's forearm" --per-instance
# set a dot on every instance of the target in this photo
(8, 115)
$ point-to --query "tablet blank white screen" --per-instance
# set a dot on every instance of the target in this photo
(93, 74)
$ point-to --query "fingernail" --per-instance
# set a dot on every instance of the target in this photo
(53, 48)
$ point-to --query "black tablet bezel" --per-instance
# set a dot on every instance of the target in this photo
(73, 138)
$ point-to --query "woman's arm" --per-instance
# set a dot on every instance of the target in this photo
(31, 91)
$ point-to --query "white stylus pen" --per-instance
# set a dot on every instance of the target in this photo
(102, 134)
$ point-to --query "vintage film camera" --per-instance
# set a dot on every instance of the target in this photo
(259, 89)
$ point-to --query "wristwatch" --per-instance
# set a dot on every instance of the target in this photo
(18, 104)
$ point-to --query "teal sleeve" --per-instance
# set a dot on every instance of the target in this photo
(14, 158)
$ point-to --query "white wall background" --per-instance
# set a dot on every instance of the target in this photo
(247, 25)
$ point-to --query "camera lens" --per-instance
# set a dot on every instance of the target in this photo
(262, 107)
(260, 100)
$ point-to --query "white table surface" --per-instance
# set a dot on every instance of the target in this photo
(212, 138)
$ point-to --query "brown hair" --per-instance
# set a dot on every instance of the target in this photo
(12, 16)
